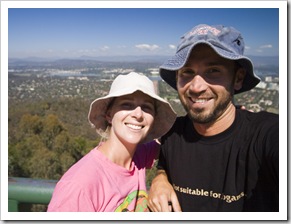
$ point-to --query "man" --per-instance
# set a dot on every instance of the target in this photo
(216, 158)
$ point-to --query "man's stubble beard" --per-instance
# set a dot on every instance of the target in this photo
(201, 116)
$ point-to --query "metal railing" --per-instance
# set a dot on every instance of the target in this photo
(28, 190)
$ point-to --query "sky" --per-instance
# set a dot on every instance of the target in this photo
(75, 32)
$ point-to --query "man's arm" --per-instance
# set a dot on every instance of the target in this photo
(162, 197)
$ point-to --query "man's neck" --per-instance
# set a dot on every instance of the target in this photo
(219, 125)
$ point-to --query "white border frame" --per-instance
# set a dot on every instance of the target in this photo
(282, 215)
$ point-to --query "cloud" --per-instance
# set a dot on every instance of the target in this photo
(266, 46)
(122, 46)
(247, 47)
(104, 48)
(172, 46)
(147, 47)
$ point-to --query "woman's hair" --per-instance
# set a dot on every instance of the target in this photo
(106, 133)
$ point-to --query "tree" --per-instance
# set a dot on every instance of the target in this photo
(51, 128)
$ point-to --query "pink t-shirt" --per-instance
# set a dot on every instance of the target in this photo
(95, 184)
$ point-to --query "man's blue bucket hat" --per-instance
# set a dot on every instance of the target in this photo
(225, 41)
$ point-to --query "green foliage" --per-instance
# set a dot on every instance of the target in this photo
(150, 174)
(30, 124)
(43, 144)
(51, 129)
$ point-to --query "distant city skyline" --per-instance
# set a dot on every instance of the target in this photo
(99, 32)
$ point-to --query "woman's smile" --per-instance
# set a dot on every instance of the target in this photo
(134, 126)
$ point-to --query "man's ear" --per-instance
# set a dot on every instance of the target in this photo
(239, 78)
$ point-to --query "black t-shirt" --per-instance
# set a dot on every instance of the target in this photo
(237, 170)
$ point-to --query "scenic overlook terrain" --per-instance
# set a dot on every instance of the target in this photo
(49, 100)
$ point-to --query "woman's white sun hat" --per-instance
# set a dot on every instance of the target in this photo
(128, 84)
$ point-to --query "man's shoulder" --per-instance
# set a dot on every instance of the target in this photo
(245, 114)
(182, 119)
(259, 119)
(181, 124)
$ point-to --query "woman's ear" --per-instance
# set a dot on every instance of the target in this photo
(108, 117)
(239, 78)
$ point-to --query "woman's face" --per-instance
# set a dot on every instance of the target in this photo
(131, 117)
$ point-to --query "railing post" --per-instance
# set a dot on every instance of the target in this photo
(27, 190)
(12, 205)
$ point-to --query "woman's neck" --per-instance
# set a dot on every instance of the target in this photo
(118, 153)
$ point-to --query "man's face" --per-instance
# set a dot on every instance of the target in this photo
(206, 84)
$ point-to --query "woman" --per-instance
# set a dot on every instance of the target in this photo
(111, 177)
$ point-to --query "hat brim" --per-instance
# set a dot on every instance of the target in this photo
(169, 68)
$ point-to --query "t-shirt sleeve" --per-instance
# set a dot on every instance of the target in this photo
(271, 149)
(70, 197)
(147, 153)
(162, 161)
(267, 142)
